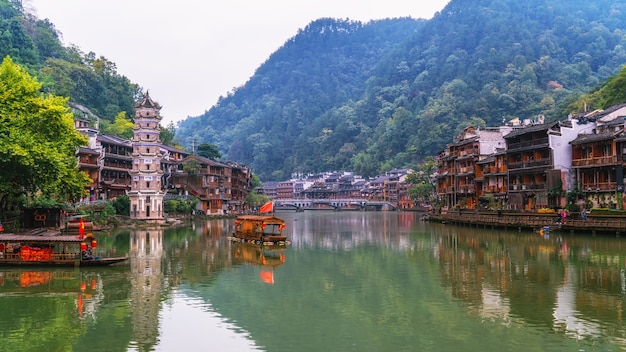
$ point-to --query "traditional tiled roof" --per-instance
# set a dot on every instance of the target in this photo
(487, 160)
(204, 160)
(111, 139)
(147, 102)
(531, 129)
(594, 137)
(85, 150)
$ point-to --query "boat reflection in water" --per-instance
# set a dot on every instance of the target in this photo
(266, 257)
(86, 287)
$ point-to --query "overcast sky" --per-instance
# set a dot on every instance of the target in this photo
(188, 53)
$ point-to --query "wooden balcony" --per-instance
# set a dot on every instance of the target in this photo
(598, 161)
(530, 164)
(467, 189)
(524, 187)
(495, 189)
(600, 187)
(466, 170)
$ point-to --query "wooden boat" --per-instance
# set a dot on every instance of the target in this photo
(48, 248)
(260, 229)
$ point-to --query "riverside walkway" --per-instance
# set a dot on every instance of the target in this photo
(522, 221)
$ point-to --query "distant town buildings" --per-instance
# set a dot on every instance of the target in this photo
(389, 187)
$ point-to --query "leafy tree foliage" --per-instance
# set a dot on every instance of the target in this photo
(613, 92)
(122, 205)
(168, 135)
(180, 206)
(87, 79)
(38, 141)
(422, 182)
(120, 127)
(209, 151)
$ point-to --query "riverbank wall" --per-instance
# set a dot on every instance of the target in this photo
(533, 222)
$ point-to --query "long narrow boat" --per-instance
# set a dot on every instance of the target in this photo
(260, 229)
(47, 248)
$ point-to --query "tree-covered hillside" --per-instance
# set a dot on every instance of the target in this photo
(324, 66)
(370, 97)
(87, 79)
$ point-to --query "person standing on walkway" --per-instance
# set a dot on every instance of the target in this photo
(583, 214)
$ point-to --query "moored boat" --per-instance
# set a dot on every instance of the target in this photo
(49, 248)
(260, 229)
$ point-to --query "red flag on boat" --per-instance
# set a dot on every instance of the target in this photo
(81, 229)
(267, 208)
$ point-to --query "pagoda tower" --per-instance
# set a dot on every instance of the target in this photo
(146, 194)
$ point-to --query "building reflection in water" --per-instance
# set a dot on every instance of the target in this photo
(556, 281)
(146, 252)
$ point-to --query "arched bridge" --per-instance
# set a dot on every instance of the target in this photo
(333, 204)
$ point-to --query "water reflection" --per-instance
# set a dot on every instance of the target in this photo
(36, 302)
(350, 230)
(571, 285)
(146, 278)
(350, 281)
(268, 258)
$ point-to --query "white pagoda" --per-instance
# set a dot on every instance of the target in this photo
(146, 194)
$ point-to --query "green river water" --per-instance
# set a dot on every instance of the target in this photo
(349, 281)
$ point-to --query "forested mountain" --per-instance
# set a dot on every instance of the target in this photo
(372, 96)
(87, 79)
(324, 66)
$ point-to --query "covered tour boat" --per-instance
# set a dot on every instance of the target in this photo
(260, 229)
(47, 248)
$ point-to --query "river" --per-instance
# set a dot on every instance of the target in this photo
(349, 281)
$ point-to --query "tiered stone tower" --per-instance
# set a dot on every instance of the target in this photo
(146, 195)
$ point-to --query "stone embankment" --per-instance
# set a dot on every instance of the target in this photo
(533, 222)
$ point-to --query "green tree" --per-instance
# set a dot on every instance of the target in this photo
(209, 151)
(168, 134)
(121, 127)
(422, 182)
(38, 141)
(122, 205)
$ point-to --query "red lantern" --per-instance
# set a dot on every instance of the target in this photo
(83, 246)
(93, 284)
(83, 286)
(94, 244)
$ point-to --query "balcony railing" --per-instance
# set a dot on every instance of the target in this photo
(495, 189)
(599, 161)
(466, 170)
(524, 187)
(495, 169)
(467, 189)
(599, 186)
(530, 163)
